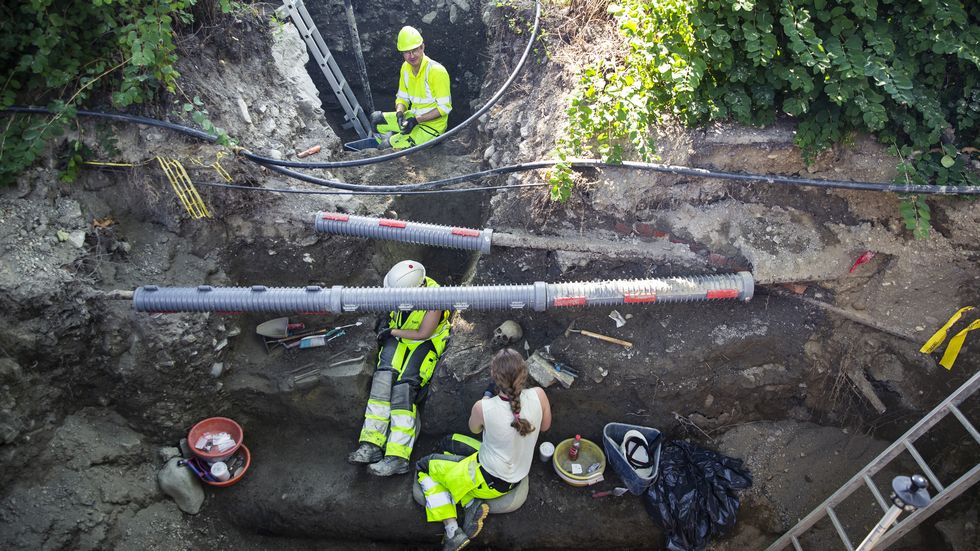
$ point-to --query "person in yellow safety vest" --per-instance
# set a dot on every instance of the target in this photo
(468, 471)
(411, 343)
(423, 102)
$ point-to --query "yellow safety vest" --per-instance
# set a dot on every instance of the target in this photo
(427, 90)
(411, 321)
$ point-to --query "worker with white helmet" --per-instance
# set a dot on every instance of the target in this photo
(411, 343)
(423, 102)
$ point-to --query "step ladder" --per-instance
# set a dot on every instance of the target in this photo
(354, 114)
(946, 493)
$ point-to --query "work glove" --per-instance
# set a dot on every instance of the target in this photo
(410, 123)
(400, 117)
(380, 322)
(384, 335)
(491, 390)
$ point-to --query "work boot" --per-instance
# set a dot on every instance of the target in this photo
(366, 453)
(455, 543)
(384, 140)
(388, 466)
(473, 515)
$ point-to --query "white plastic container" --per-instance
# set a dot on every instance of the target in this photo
(220, 471)
(545, 451)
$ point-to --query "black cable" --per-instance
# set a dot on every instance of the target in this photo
(321, 192)
(401, 153)
(522, 167)
(650, 167)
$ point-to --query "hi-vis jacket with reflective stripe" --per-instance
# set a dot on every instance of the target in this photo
(426, 91)
(412, 320)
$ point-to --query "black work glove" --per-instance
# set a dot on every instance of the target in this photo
(491, 390)
(380, 322)
(400, 117)
(384, 335)
(409, 124)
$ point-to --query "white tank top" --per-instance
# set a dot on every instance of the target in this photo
(505, 453)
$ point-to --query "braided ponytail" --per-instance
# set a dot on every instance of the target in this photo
(510, 374)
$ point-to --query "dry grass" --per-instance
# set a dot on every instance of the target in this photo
(583, 26)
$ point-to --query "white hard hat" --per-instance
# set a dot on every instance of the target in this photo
(407, 273)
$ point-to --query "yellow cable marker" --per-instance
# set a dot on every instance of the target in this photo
(953, 349)
(938, 338)
(184, 188)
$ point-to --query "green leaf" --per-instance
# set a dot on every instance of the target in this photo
(947, 161)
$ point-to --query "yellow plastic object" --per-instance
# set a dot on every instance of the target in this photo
(589, 454)
(184, 188)
(409, 38)
(216, 165)
(955, 343)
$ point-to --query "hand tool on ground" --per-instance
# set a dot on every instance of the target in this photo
(277, 328)
(312, 332)
(620, 342)
(615, 492)
(314, 341)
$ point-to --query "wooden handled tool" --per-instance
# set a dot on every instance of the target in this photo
(620, 342)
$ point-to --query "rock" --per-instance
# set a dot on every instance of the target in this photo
(10, 371)
(453, 14)
(217, 368)
(243, 110)
(463, 4)
(77, 238)
(275, 154)
(429, 17)
(180, 484)
(168, 453)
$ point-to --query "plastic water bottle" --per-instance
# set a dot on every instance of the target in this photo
(573, 450)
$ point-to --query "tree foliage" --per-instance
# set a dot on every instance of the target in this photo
(59, 52)
(906, 71)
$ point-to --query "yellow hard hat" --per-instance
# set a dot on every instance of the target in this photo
(409, 38)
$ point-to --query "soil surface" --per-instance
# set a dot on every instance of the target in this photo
(806, 383)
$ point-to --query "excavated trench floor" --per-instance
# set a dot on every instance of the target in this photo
(764, 381)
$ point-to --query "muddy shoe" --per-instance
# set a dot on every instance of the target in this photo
(389, 466)
(458, 541)
(473, 515)
(366, 453)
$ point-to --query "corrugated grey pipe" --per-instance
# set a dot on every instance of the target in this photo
(406, 232)
(539, 296)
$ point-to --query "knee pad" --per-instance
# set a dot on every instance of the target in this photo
(402, 396)
(381, 385)
(377, 117)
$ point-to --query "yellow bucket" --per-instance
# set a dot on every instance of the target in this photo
(589, 454)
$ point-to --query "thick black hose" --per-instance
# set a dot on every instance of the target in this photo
(536, 165)
(268, 161)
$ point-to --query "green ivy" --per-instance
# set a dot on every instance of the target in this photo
(59, 52)
(908, 72)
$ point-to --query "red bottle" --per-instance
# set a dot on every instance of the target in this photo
(573, 450)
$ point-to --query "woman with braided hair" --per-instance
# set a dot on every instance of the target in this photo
(471, 471)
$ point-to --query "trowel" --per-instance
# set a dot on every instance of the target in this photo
(277, 328)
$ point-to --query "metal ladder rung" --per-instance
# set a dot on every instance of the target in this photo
(876, 493)
(965, 422)
(840, 528)
(922, 464)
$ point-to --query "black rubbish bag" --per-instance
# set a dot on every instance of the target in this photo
(694, 499)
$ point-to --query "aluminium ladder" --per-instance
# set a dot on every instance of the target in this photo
(354, 113)
(905, 443)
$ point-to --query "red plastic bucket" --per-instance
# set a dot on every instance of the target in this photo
(214, 425)
(241, 473)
